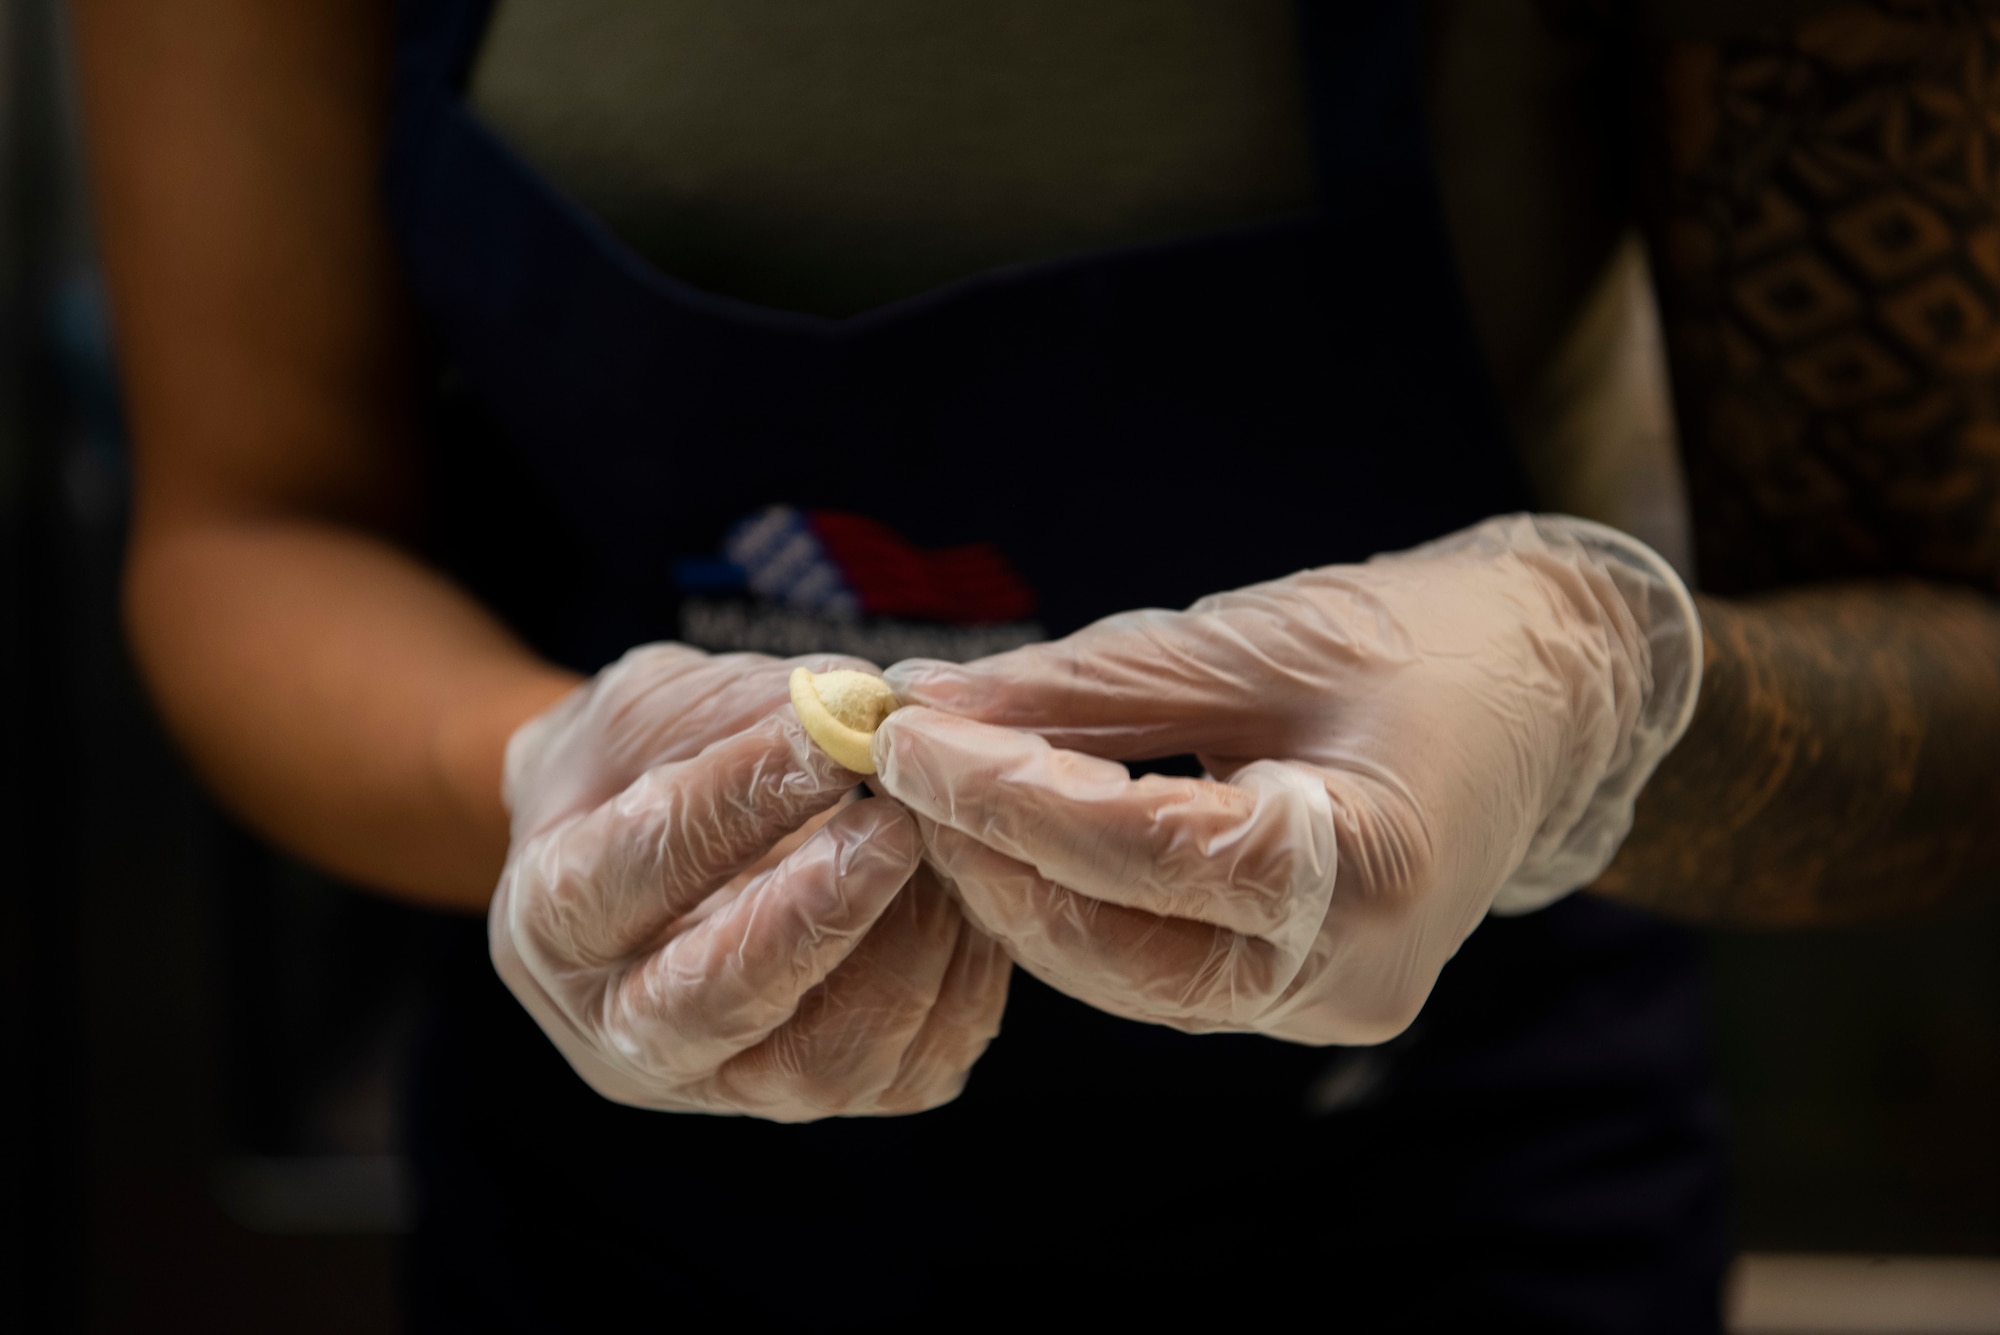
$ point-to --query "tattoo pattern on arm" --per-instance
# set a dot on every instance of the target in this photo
(1841, 766)
(1830, 247)
(1825, 211)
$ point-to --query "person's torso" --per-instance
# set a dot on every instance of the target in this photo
(886, 151)
(833, 157)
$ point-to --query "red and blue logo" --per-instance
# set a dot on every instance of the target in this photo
(800, 581)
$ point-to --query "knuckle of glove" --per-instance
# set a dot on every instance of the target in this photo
(806, 1071)
(1283, 857)
(557, 903)
(1233, 994)
(1228, 992)
(1351, 993)
(1364, 1017)
(932, 1088)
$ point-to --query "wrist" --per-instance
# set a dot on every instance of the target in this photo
(470, 747)
(1654, 650)
(1664, 612)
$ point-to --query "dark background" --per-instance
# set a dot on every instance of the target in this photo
(199, 1039)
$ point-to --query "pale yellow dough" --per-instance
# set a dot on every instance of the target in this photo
(841, 711)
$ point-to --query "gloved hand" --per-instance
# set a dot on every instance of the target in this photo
(689, 943)
(1392, 746)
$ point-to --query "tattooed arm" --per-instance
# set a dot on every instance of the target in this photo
(1825, 211)
(1841, 765)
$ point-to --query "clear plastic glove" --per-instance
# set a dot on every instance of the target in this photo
(1396, 748)
(701, 921)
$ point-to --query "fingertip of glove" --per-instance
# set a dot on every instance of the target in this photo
(875, 835)
(821, 771)
(928, 719)
(820, 663)
(898, 755)
(924, 680)
(891, 732)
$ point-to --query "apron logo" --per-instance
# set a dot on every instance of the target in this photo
(792, 581)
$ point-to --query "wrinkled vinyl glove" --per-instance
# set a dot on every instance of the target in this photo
(675, 923)
(1396, 748)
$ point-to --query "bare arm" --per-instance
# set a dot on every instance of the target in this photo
(346, 700)
(1826, 224)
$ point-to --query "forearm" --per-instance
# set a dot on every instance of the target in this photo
(1834, 392)
(339, 696)
(336, 694)
(1843, 763)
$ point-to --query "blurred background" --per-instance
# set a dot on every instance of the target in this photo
(202, 1038)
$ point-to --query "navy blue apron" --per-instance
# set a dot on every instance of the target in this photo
(618, 457)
